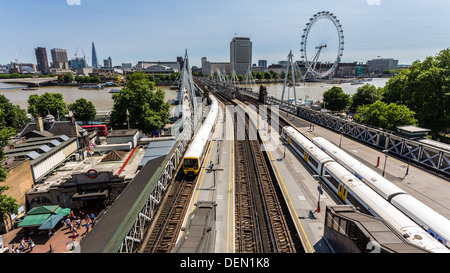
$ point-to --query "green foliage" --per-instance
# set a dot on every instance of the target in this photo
(12, 115)
(83, 110)
(7, 204)
(5, 135)
(366, 94)
(68, 77)
(95, 79)
(47, 103)
(383, 115)
(148, 109)
(335, 99)
(424, 88)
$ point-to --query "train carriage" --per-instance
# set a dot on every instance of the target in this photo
(430, 220)
(196, 152)
(351, 190)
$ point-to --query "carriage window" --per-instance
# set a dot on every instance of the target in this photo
(190, 163)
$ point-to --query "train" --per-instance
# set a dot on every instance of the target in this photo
(196, 152)
(434, 223)
(352, 191)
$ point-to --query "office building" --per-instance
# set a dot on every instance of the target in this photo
(107, 63)
(262, 63)
(76, 63)
(380, 65)
(240, 54)
(59, 58)
(94, 57)
(42, 60)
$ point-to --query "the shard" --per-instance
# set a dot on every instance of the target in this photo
(94, 57)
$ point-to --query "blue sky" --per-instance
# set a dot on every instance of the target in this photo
(133, 30)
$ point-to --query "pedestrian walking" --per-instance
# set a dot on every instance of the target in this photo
(87, 228)
(32, 245)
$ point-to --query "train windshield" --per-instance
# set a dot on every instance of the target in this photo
(191, 163)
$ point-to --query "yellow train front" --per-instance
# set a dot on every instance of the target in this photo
(191, 165)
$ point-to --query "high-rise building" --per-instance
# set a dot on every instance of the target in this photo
(77, 63)
(59, 58)
(42, 60)
(94, 57)
(107, 63)
(262, 63)
(240, 54)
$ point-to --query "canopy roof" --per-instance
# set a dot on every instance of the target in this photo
(51, 221)
(44, 216)
(34, 220)
(42, 209)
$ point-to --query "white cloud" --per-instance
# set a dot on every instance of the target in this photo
(73, 2)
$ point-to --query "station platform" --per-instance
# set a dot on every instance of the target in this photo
(299, 189)
(218, 185)
(430, 189)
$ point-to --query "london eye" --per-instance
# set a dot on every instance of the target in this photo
(322, 45)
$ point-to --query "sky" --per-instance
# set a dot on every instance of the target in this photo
(134, 30)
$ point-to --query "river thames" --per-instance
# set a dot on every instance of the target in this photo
(103, 101)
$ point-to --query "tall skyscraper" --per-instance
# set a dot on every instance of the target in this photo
(42, 60)
(94, 57)
(240, 54)
(59, 58)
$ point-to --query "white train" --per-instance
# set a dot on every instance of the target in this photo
(430, 220)
(353, 191)
(195, 154)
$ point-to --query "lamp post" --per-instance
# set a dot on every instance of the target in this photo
(385, 160)
(319, 189)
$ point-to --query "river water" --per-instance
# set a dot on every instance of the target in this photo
(102, 99)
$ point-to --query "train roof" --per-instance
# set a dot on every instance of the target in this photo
(381, 185)
(307, 144)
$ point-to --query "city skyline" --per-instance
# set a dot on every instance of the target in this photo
(135, 31)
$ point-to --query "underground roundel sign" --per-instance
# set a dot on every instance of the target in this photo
(92, 173)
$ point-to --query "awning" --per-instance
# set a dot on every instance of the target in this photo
(43, 209)
(62, 211)
(38, 215)
(51, 221)
(34, 220)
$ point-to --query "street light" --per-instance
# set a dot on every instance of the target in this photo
(319, 189)
(385, 160)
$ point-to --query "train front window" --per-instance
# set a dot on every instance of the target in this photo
(191, 163)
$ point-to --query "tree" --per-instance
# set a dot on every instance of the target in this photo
(68, 77)
(13, 116)
(424, 88)
(5, 135)
(95, 79)
(83, 110)
(383, 115)
(335, 99)
(148, 109)
(7, 204)
(44, 104)
(366, 94)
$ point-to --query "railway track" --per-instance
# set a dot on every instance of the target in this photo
(261, 224)
(168, 225)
